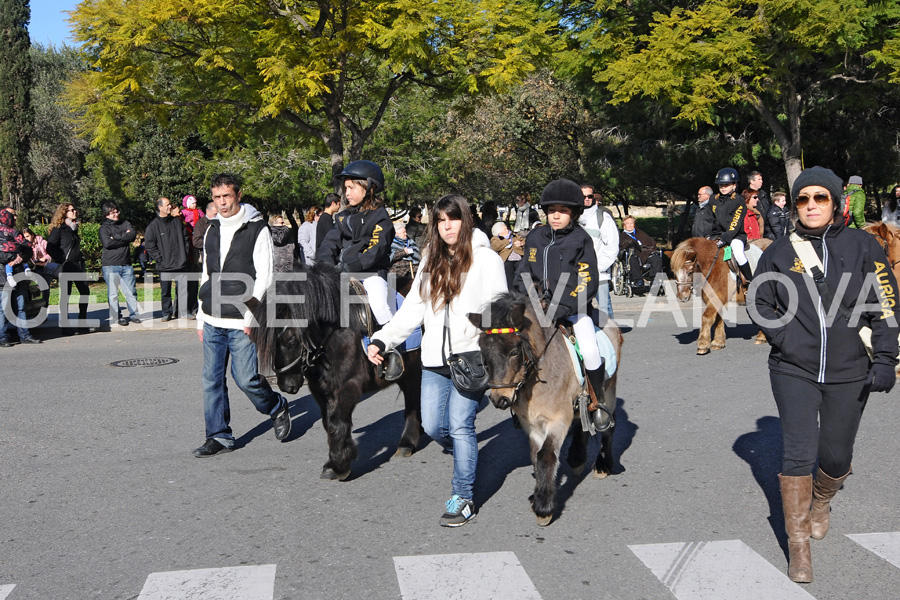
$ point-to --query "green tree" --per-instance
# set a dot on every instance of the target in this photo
(785, 59)
(57, 154)
(16, 114)
(326, 69)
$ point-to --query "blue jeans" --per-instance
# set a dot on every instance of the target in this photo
(19, 299)
(120, 278)
(604, 301)
(448, 417)
(218, 345)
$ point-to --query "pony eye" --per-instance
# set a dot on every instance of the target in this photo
(514, 353)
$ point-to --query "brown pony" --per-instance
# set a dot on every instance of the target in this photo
(889, 238)
(531, 372)
(694, 260)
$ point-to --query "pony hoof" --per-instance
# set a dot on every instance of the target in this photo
(403, 452)
(544, 521)
(702, 351)
(600, 474)
(717, 347)
(332, 475)
(577, 469)
(759, 342)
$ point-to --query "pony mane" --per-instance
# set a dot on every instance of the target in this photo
(690, 249)
(314, 300)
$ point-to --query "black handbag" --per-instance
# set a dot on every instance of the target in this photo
(467, 370)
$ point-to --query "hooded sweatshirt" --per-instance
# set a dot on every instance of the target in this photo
(239, 244)
(485, 280)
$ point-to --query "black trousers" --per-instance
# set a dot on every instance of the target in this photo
(818, 421)
(186, 292)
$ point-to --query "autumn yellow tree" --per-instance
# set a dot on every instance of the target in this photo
(319, 69)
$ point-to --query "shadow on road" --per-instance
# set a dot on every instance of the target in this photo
(762, 450)
(745, 331)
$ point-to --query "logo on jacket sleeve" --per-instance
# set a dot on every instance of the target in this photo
(376, 235)
(584, 277)
(798, 266)
(532, 255)
(886, 293)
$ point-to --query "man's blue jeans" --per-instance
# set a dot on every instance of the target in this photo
(19, 303)
(120, 278)
(448, 417)
(218, 345)
(604, 300)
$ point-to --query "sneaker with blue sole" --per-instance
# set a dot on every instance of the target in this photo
(459, 512)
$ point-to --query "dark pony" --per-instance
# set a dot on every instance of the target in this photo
(309, 340)
(532, 373)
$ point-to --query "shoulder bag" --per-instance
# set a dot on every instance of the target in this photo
(467, 370)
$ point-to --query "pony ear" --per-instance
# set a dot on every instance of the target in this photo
(517, 315)
(477, 319)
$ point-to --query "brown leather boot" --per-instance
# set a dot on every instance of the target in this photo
(796, 496)
(824, 489)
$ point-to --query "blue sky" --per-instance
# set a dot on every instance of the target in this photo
(48, 21)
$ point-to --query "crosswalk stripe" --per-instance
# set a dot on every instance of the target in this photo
(229, 583)
(715, 570)
(5, 590)
(478, 576)
(885, 545)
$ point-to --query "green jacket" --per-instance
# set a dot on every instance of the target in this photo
(857, 206)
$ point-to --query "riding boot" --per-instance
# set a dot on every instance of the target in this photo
(824, 489)
(796, 496)
(601, 417)
(746, 272)
(392, 367)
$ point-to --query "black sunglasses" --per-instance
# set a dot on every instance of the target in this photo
(820, 198)
(591, 196)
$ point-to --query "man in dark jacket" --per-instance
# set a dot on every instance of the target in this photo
(330, 207)
(778, 220)
(755, 183)
(168, 243)
(705, 217)
(116, 235)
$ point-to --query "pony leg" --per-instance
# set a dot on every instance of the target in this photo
(760, 339)
(546, 465)
(411, 385)
(706, 326)
(604, 464)
(719, 339)
(577, 456)
(341, 447)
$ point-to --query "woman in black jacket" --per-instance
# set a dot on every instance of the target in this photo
(64, 247)
(819, 368)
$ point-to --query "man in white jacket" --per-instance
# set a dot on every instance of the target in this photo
(601, 226)
(238, 258)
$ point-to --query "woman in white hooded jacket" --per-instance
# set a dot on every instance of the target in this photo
(459, 271)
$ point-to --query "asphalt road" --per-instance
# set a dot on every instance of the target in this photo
(99, 488)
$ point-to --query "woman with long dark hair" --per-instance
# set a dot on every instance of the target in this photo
(820, 370)
(459, 274)
(64, 247)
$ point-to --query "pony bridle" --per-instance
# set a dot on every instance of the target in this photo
(306, 358)
(886, 246)
(532, 365)
(690, 282)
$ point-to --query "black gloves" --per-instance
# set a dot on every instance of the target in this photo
(881, 378)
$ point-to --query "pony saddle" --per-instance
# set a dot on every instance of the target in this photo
(607, 352)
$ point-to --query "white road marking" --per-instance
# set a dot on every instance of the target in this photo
(715, 570)
(5, 590)
(479, 576)
(229, 583)
(885, 545)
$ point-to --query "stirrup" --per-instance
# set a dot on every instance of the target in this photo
(598, 416)
(391, 368)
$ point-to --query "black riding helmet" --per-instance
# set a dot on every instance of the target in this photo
(564, 192)
(727, 176)
(365, 170)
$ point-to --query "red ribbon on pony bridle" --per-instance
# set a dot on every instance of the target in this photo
(501, 330)
(532, 366)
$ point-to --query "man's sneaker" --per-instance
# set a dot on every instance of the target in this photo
(135, 320)
(459, 511)
(210, 448)
(167, 318)
(123, 322)
(31, 340)
(282, 422)
(5, 343)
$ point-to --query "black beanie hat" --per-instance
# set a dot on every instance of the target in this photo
(564, 192)
(822, 177)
